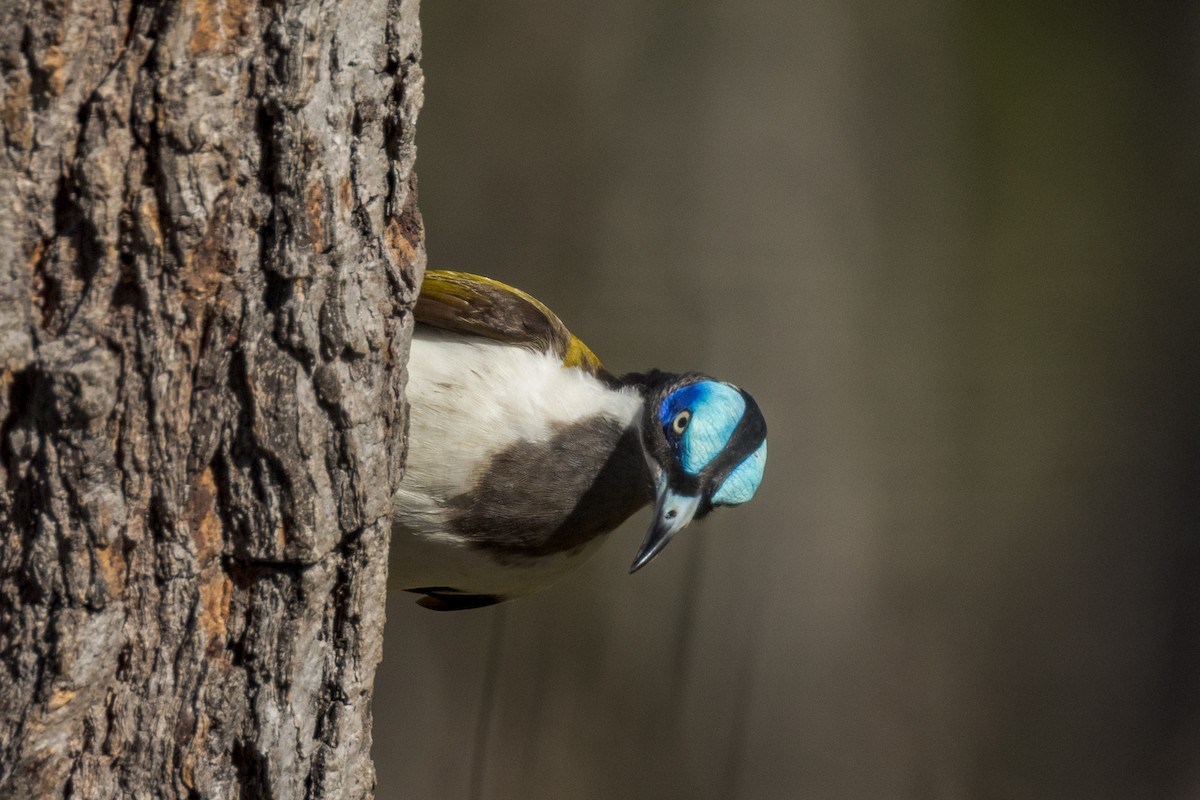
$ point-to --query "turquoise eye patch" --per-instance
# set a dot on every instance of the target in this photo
(744, 480)
(716, 410)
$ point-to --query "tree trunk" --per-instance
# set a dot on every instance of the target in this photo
(209, 242)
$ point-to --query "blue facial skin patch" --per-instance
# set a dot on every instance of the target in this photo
(716, 410)
(744, 480)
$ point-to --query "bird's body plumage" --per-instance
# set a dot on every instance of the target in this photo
(523, 451)
(474, 486)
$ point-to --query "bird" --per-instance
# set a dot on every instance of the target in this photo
(524, 452)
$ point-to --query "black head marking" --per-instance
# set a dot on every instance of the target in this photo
(749, 434)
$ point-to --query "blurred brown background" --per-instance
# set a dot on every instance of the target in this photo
(952, 248)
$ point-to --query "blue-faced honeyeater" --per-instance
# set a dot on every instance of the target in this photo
(524, 452)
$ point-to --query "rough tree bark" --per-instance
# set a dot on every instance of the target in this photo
(208, 246)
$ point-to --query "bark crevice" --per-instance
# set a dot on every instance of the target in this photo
(201, 391)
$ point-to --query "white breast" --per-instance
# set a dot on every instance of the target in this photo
(470, 398)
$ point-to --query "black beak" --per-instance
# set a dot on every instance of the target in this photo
(672, 513)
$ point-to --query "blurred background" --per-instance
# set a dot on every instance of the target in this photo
(953, 249)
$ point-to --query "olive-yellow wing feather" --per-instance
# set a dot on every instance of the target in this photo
(479, 306)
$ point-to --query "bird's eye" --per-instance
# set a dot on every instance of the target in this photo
(680, 423)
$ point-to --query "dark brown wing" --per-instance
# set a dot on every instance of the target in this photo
(479, 306)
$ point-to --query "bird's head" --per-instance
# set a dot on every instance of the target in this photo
(705, 442)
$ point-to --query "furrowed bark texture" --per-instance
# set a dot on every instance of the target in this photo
(209, 243)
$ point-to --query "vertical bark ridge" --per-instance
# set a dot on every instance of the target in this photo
(212, 243)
